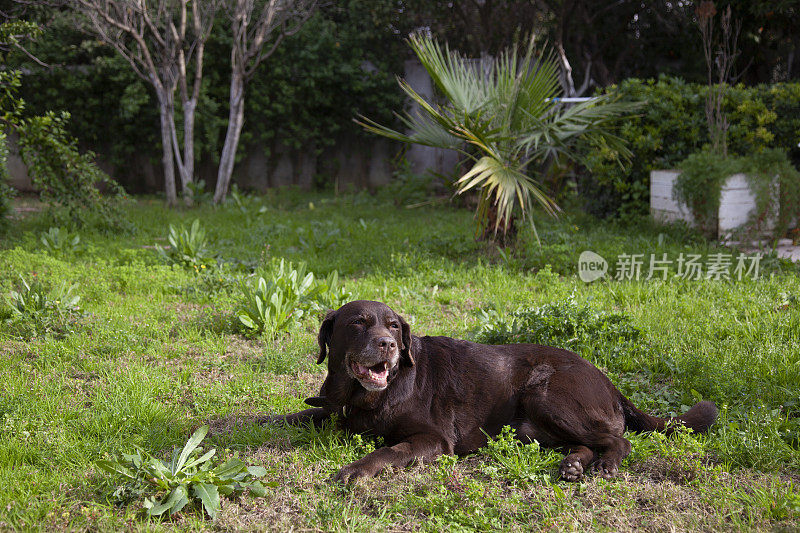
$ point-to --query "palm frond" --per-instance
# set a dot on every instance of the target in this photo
(505, 187)
(587, 122)
(423, 131)
(458, 81)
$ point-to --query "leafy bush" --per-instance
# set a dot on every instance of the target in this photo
(672, 126)
(278, 302)
(67, 180)
(568, 325)
(35, 310)
(699, 184)
(188, 247)
(59, 241)
(246, 203)
(185, 479)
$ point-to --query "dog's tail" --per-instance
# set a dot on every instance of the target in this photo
(699, 418)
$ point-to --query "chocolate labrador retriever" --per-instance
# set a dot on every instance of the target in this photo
(432, 395)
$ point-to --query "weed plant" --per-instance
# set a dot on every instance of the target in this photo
(186, 477)
(33, 309)
(60, 241)
(270, 306)
(188, 247)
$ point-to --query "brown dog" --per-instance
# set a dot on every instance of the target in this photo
(432, 395)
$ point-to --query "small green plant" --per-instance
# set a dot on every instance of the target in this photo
(59, 241)
(318, 236)
(245, 203)
(268, 308)
(410, 189)
(512, 460)
(330, 294)
(35, 310)
(778, 502)
(187, 478)
(199, 192)
(277, 303)
(188, 247)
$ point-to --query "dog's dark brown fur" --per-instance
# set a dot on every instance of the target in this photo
(442, 395)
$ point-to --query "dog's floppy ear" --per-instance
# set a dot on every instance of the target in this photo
(324, 337)
(405, 350)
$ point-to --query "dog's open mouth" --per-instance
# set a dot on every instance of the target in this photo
(371, 377)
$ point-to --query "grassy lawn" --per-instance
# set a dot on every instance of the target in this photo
(158, 351)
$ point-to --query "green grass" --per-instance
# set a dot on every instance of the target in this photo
(156, 352)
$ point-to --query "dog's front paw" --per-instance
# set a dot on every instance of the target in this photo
(571, 469)
(355, 470)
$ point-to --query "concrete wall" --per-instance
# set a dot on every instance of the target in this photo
(424, 157)
(361, 162)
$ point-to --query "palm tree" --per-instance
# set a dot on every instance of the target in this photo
(503, 114)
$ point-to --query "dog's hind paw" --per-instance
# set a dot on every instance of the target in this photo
(606, 469)
(571, 469)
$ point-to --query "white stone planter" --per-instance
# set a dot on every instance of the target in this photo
(736, 202)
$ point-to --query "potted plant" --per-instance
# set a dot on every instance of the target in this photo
(723, 194)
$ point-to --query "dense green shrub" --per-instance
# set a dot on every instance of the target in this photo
(570, 325)
(672, 126)
(68, 180)
(699, 184)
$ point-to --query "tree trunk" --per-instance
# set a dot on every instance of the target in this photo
(165, 106)
(189, 107)
(235, 121)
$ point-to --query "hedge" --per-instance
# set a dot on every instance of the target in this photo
(672, 125)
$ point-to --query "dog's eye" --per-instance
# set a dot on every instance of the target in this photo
(358, 322)
(394, 325)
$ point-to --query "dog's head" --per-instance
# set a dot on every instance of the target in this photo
(366, 341)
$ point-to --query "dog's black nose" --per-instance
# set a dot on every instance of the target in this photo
(387, 343)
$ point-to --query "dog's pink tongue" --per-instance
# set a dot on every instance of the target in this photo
(360, 369)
